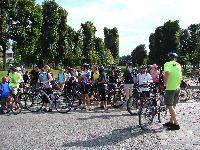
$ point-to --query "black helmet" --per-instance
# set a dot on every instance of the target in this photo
(143, 67)
(172, 55)
(101, 68)
(14, 69)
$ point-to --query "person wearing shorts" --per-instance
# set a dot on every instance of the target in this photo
(172, 81)
(102, 88)
(128, 82)
(14, 79)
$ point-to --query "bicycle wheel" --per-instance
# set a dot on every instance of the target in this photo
(22, 98)
(146, 115)
(34, 102)
(63, 104)
(196, 94)
(183, 95)
(118, 100)
(132, 105)
(161, 108)
(16, 107)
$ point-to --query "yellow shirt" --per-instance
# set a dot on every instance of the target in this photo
(14, 79)
(96, 75)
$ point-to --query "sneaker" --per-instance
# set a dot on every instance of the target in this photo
(168, 124)
(50, 110)
(174, 127)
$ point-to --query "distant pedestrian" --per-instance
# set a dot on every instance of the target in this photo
(172, 80)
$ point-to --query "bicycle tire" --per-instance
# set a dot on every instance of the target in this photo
(34, 103)
(196, 95)
(132, 105)
(183, 96)
(118, 100)
(63, 104)
(16, 107)
(146, 113)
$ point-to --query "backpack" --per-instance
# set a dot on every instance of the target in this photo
(5, 90)
(59, 75)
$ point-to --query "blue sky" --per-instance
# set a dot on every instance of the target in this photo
(134, 19)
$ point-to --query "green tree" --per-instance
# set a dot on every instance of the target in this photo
(163, 41)
(26, 30)
(49, 37)
(100, 49)
(88, 31)
(111, 40)
(139, 55)
(183, 46)
(124, 59)
(7, 9)
(62, 44)
(193, 43)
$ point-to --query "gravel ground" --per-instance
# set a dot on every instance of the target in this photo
(111, 130)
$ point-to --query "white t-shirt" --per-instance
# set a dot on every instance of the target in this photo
(142, 78)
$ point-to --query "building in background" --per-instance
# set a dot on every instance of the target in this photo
(9, 57)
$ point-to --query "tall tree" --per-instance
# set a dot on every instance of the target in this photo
(7, 9)
(62, 44)
(26, 30)
(139, 55)
(88, 35)
(111, 40)
(183, 46)
(100, 48)
(74, 50)
(163, 41)
(49, 36)
(193, 43)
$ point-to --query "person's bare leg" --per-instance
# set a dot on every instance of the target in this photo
(172, 111)
(105, 105)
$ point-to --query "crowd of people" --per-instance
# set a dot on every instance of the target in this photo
(86, 76)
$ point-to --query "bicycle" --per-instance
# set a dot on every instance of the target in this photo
(153, 106)
(133, 102)
(56, 99)
(10, 104)
(115, 95)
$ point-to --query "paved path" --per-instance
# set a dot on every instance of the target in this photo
(97, 130)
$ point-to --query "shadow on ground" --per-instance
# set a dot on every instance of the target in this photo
(113, 138)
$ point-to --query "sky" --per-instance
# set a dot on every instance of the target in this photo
(134, 19)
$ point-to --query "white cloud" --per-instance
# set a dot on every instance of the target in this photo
(135, 20)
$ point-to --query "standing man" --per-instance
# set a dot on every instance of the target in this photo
(172, 80)
(128, 82)
(14, 79)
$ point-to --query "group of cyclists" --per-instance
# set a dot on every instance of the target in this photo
(95, 77)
